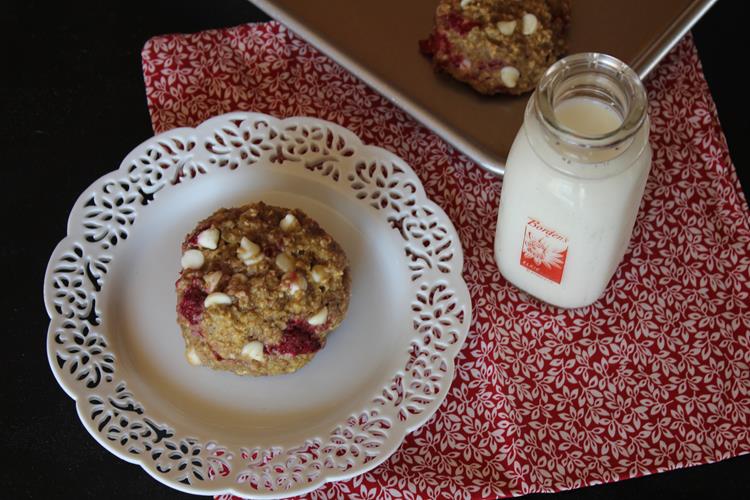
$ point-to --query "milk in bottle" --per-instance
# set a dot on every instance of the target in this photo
(574, 179)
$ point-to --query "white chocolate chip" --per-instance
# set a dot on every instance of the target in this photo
(209, 238)
(530, 23)
(253, 260)
(509, 76)
(217, 299)
(294, 282)
(506, 27)
(319, 273)
(289, 223)
(192, 259)
(285, 262)
(253, 350)
(192, 357)
(319, 318)
(212, 280)
(249, 252)
(249, 246)
(465, 3)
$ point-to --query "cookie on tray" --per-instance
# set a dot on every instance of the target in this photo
(498, 46)
(260, 289)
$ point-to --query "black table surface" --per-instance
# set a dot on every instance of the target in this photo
(73, 106)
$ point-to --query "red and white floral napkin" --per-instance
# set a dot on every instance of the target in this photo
(654, 376)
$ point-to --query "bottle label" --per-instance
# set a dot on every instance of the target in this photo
(544, 251)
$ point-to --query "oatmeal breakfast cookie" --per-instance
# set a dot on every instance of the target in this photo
(260, 289)
(497, 46)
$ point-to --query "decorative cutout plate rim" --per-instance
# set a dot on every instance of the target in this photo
(99, 224)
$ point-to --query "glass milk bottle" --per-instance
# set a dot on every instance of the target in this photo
(573, 181)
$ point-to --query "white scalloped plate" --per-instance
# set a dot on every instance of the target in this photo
(114, 345)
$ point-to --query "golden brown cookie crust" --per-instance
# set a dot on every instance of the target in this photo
(498, 46)
(275, 277)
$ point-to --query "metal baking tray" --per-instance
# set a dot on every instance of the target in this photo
(378, 42)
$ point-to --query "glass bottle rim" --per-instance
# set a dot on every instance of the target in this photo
(614, 73)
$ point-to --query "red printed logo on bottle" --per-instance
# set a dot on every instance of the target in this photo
(544, 251)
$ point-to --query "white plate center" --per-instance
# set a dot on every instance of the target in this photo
(347, 373)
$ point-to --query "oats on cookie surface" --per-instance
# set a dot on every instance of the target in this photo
(256, 304)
